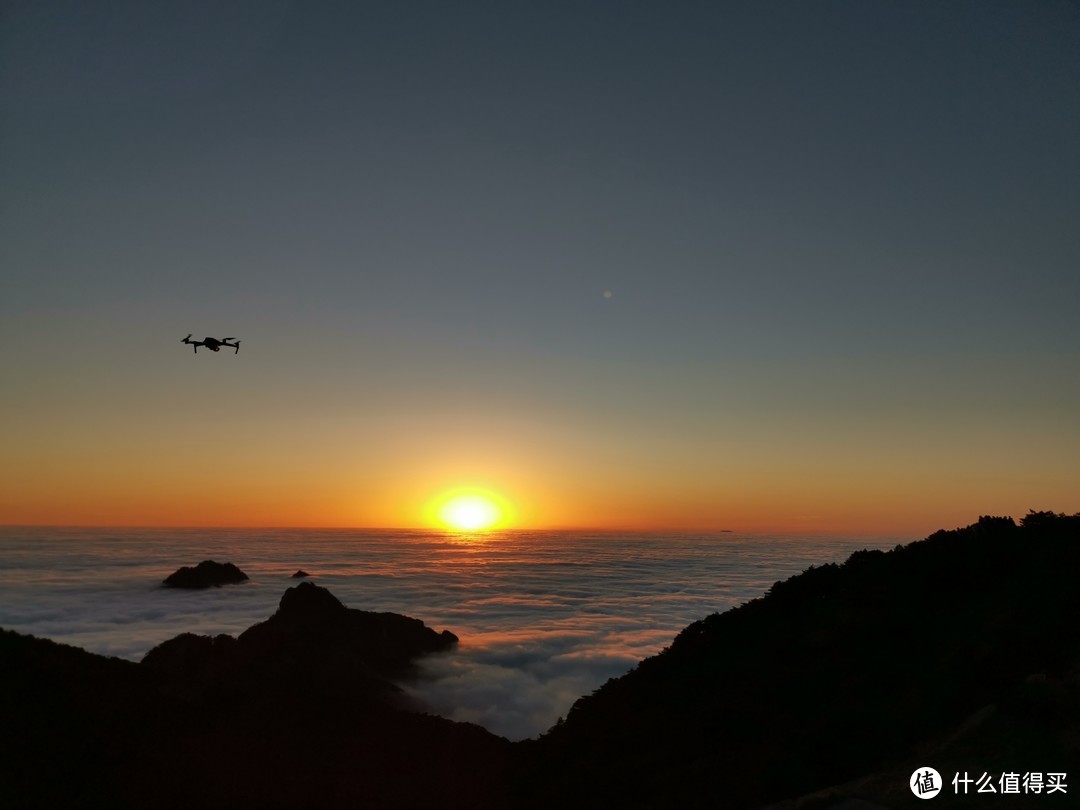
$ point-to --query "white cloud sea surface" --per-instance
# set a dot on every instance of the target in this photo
(543, 617)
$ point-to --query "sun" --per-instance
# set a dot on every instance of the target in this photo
(470, 510)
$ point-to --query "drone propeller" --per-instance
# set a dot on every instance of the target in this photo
(185, 340)
(224, 339)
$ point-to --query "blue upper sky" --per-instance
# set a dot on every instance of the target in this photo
(844, 220)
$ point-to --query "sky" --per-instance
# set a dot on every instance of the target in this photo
(774, 266)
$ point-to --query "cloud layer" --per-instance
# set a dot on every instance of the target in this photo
(543, 617)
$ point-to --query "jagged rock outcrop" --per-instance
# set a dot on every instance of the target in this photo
(310, 618)
(312, 643)
(300, 574)
(207, 574)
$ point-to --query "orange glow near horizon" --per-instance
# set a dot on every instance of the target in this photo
(470, 509)
(242, 475)
(595, 327)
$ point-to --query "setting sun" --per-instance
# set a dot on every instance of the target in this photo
(470, 510)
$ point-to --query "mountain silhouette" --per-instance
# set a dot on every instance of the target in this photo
(841, 672)
(961, 652)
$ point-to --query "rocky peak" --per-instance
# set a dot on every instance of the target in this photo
(308, 602)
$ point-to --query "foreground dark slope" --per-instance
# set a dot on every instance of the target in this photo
(299, 711)
(841, 672)
(959, 652)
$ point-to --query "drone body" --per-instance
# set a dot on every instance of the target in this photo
(213, 344)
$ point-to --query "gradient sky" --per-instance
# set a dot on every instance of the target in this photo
(841, 242)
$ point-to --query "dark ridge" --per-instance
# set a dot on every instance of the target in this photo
(300, 711)
(842, 672)
(300, 574)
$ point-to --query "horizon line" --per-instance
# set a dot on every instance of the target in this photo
(869, 533)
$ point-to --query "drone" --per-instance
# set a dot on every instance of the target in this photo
(213, 344)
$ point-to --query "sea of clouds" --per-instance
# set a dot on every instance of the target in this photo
(543, 617)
